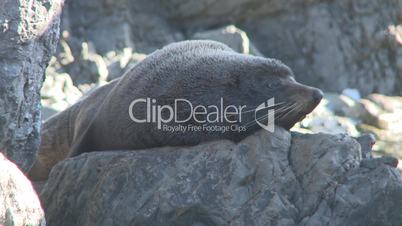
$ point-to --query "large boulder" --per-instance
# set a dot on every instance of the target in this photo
(266, 179)
(19, 204)
(336, 44)
(232, 36)
(329, 44)
(29, 31)
(115, 25)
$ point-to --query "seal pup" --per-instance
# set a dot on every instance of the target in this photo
(220, 88)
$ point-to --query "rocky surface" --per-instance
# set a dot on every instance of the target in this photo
(377, 114)
(333, 45)
(266, 179)
(336, 44)
(19, 204)
(232, 36)
(29, 32)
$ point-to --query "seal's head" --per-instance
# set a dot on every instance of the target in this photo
(292, 100)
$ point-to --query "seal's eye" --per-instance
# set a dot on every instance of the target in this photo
(273, 85)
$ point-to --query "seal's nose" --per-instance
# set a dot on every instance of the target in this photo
(317, 95)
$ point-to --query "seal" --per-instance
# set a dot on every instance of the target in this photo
(183, 94)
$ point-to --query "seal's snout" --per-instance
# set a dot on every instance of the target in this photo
(317, 95)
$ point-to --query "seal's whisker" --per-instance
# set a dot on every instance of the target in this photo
(286, 106)
(234, 114)
(276, 104)
(286, 112)
(251, 124)
(285, 109)
(253, 110)
(251, 121)
(254, 121)
(296, 108)
(282, 109)
(264, 116)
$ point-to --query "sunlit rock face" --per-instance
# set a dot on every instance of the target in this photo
(377, 114)
(29, 32)
(332, 45)
(20, 204)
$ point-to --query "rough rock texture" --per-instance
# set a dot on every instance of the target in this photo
(267, 179)
(377, 114)
(330, 44)
(29, 32)
(19, 205)
(231, 36)
(115, 25)
(336, 44)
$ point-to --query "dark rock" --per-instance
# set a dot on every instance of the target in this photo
(333, 45)
(89, 69)
(377, 162)
(266, 179)
(29, 33)
(232, 37)
(115, 25)
(119, 62)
